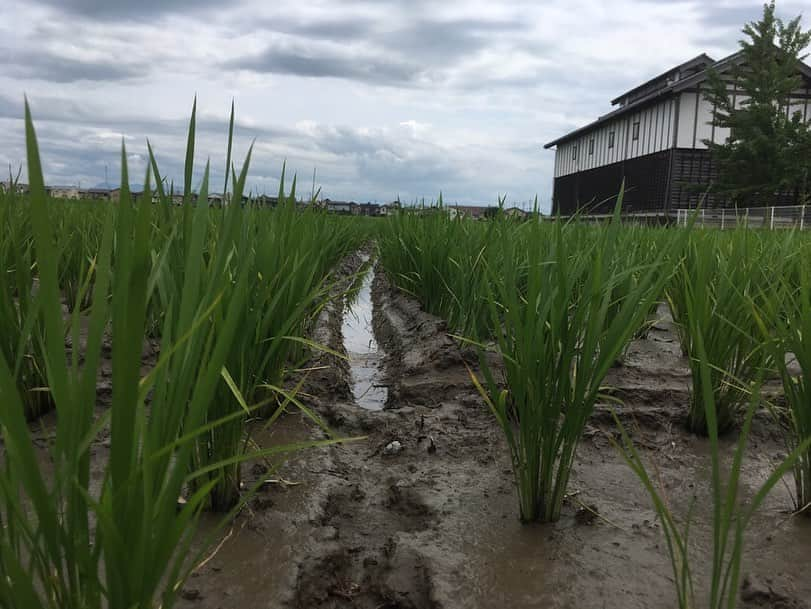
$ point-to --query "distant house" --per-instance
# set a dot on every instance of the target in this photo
(95, 194)
(115, 195)
(516, 212)
(215, 199)
(339, 207)
(65, 192)
(389, 209)
(475, 212)
(654, 140)
(368, 209)
(18, 187)
(266, 201)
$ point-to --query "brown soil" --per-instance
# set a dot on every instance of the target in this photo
(435, 525)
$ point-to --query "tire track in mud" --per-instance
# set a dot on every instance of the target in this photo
(380, 525)
(435, 524)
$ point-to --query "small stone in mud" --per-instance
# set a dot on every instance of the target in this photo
(326, 534)
(345, 590)
(754, 591)
(259, 469)
(393, 448)
(389, 547)
(191, 594)
(586, 514)
(262, 503)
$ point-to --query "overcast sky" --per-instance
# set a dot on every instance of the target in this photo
(382, 97)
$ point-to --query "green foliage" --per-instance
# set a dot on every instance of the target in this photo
(52, 555)
(710, 299)
(189, 276)
(767, 154)
(730, 515)
(561, 302)
(560, 324)
(20, 322)
(784, 318)
(275, 264)
(440, 260)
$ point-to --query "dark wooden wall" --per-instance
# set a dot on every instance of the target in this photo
(692, 176)
(674, 179)
(595, 191)
(693, 172)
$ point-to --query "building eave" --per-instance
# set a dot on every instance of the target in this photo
(691, 82)
(609, 117)
(698, 59)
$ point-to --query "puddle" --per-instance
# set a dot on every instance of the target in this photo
(365, 357)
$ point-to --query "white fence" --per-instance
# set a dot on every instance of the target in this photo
(796, 216)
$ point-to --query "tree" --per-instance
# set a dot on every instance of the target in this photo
(767, 152)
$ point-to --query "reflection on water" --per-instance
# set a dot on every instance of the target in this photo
(365, 358)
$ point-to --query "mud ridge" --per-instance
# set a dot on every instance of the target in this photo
(399, 483)
(422, 512)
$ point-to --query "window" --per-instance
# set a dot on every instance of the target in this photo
(636, 131)
(574, 152)
(610, 139)
(591, 146)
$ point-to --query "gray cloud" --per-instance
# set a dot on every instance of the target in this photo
(447, 40)
(48, 66)
(339, 29)
(302, 60)
(143, 10)
(88, 115)
(380, 96)
(410, 53)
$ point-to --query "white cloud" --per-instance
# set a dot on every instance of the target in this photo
(383, 97)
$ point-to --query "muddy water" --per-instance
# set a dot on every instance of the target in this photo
(364, 353)
(435, 525)
(252, 563)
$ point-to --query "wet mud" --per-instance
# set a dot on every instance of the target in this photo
(421, 512)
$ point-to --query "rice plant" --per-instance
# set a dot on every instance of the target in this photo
(77, 228)
(50, 553)
(20, 322)
(440, 260)
(785, 321)
(639, 245)
(67, 542)
(730, 515)
(557, 342)
(710, 299)
(276, 263)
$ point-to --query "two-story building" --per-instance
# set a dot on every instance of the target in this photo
(654, 140)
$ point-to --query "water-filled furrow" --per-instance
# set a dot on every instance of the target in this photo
(365, 355)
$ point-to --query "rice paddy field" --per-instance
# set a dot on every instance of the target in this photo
(244, 407)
